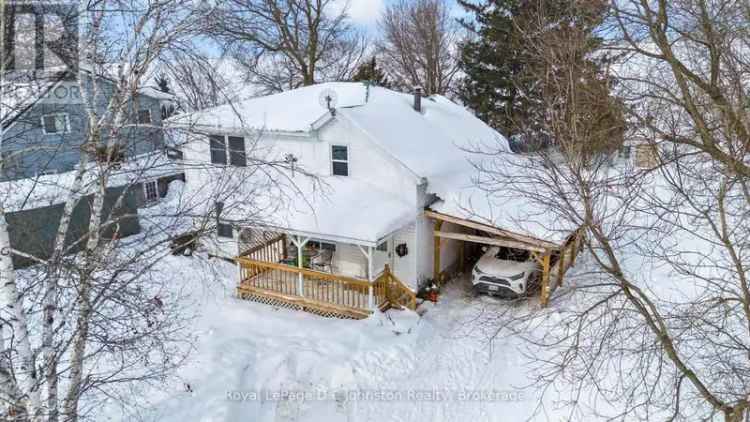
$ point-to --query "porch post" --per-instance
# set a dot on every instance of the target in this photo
(299, 243)
(370, 276)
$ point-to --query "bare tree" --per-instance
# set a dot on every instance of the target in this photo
(419, 45)
(284, 44)
(656, 322)
(95, 315)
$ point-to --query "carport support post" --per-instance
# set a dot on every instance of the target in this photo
(436, 269)
(545, 279)
(561, 266)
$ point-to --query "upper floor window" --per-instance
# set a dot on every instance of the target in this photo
(231, 147)
(151, 191)
(55, 123)
(144, 116)
(340, 160)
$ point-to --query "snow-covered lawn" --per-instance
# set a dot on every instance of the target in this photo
(394, 366)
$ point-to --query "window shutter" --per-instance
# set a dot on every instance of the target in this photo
(218, 150)
(237, 156)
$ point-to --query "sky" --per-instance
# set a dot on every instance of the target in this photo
(365, 13)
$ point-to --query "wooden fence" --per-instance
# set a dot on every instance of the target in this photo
(318, 292)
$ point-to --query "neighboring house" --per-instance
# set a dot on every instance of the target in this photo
(44, 127)
(640, 154)
(399, 198)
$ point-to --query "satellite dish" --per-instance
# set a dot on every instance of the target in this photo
(328, 99)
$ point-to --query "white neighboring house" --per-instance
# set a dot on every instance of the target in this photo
(397, 174)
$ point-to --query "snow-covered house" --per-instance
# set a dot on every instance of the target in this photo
(397, 174)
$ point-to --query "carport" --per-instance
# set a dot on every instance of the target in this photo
(553, 258)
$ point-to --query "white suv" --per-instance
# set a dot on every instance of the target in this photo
(501, 273)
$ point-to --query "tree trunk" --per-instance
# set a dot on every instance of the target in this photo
(12, 309)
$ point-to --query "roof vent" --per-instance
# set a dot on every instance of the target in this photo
(418, 99)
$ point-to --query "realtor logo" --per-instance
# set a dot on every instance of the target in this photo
(39, 36)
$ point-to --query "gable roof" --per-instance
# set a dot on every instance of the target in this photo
(291, 111)
(435, 144)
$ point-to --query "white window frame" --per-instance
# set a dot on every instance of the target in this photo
(155, 184)
(67, 123)
(227, 150)
(347, 161)
(150, 116)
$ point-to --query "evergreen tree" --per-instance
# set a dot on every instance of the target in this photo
(501, 61)
(492, 61)
(370, 72)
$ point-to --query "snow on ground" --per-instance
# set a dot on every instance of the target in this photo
(393, 366)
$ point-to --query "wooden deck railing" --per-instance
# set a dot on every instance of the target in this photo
(322, 293)
(397, 294)
(268, 250)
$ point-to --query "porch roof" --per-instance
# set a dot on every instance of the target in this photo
(343, 209)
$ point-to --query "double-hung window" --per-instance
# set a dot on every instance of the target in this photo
(339, 160)
(151, 191)
(55, 123)
(228, 150)
(144, 116)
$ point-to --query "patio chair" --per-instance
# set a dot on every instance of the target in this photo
(323, 261)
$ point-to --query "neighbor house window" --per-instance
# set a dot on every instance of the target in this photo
(646, 156)
(624, 152)
(151, 191)
(340, 160)
(232, 147)
(144, 116)
(55, 123)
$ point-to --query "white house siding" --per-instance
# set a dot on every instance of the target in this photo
(349, 260)
(222, 246)
(405, 268)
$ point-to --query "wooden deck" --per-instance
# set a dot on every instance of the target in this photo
(351, 299)
(325, 294)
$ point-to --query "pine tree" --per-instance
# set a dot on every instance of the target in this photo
(492, 61)
(370, 72)
(502, 81)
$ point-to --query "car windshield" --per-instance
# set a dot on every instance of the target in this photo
(509, 254)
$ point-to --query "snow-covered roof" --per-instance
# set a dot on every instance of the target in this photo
(357, 222)
(435, 145)
(22, 90)
(290, 111)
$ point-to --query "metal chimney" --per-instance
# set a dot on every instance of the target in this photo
(418, 99)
